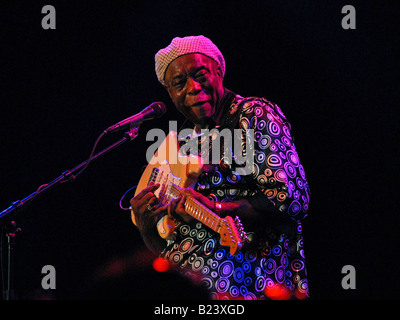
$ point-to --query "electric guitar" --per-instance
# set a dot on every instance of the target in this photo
(174, 171)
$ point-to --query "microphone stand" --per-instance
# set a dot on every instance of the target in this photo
(10, 228)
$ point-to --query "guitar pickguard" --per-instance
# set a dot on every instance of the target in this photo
(165, 177)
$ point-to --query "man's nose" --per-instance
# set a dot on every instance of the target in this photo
(194, 87)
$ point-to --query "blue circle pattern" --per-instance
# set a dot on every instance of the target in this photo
(266, 261)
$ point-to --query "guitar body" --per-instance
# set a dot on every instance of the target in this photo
(178, 169)
(174, 171)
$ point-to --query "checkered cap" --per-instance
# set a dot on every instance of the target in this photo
(187, 45)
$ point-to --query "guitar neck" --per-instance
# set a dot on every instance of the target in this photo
(199, 211)
(231, 231)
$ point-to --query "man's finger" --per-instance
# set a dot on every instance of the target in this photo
(147, 197)
(158, 210)
(146, 190)
(153, 201)
(171, 208)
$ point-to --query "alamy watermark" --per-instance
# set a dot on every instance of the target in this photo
(349, 20)
(235, 147)
(349, 280)
(49, 20)
(49, 280)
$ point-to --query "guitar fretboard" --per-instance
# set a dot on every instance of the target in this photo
(200, 212)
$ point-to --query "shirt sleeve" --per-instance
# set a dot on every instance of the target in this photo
(282, 191)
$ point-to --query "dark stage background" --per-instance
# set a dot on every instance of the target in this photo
(61, 88)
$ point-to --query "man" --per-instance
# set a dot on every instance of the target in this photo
(270, 201)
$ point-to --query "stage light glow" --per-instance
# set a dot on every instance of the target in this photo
(161, 265)
(277, 292)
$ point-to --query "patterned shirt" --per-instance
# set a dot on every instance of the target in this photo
(271, 262)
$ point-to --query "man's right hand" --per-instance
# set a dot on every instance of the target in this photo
(146, 208)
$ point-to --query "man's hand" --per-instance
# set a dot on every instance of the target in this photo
(147, 208)
(176, 209)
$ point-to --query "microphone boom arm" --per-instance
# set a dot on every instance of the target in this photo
(158, 108)
(68, 175)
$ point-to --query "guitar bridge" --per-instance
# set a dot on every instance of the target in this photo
(154, 174)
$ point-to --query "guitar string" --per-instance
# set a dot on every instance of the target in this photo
(196, 208)
(169, 191)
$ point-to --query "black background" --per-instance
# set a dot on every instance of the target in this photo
(61, 88)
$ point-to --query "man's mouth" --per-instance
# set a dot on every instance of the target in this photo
(198, 104)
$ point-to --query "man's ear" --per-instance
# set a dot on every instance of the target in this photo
(220, 76)
(169, 92)
(219, 72)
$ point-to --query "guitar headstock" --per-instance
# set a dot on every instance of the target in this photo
(232, 234)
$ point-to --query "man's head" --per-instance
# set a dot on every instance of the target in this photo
(192, 70)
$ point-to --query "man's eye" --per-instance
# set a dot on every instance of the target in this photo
(179, 84)
(201, 75)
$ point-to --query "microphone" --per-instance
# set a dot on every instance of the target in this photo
(153, 111)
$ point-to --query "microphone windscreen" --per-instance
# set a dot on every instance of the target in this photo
(159, 108)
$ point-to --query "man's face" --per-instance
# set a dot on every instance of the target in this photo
(195, 85)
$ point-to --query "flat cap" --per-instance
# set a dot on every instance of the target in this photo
(187, 45)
